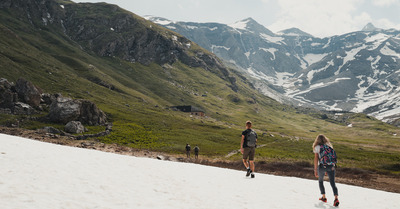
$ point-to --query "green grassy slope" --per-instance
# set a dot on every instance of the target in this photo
(139, 104)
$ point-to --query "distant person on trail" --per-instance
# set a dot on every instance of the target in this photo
(248, 148)
(188, 150)
(196, 152)
(325, 162)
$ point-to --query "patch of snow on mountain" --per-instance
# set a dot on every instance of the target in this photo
(241, 25)
(310, 74)
(171, 27)
(270, 50)
(192, 27)
(159, 21)
(276, 40)
(316, 86)
(283, 78)
(350, 55)
(212, 29)
(327, 44)
(313, 58)
(219, 47)
(303, 64)
(388, 51)
(376, 40)
(247, 55)
(316, 44)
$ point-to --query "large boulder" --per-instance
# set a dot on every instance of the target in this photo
(7, 96)
(91, 114)
(28, 93)
(64, 110)
(23, 109)
(74, 127)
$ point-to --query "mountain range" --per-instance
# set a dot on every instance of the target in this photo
(357, 72)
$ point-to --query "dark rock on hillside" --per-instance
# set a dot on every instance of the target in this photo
(51, 130)
(64, 110)
(91, 114)
(12, 97)
(7, 96)
(28, 93)
(23, 109)
(74, 127)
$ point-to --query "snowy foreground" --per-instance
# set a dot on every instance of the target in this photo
(39, 175)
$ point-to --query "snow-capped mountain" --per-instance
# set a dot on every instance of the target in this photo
(358, 71)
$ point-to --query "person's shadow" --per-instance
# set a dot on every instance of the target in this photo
(324, 206)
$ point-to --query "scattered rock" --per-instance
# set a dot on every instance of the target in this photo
(7, 94)
(28, 93)
(23, 109)
(160, 157)
(51, 130)
(74, 127)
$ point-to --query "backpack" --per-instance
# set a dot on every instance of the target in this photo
(328, 155)
(196, 149)
(251, 138)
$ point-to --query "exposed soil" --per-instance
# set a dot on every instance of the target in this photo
(357, 177)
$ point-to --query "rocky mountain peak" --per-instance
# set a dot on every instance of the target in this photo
(370, 27)
(294, 32)
(249, 24)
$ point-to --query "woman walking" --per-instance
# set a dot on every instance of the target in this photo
(325, 162)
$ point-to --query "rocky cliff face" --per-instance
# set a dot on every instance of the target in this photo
(110, 31)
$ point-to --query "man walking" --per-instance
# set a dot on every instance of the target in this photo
(196, 152)
(248, 147)
(187, 150)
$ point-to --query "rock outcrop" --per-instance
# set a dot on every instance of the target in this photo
(74, 127)
(24, 98)
(64, 110)
(28, 93)
(20, 99)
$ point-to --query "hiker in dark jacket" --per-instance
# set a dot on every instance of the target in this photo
(196, 152)
(321, 144)
(188, 150)
(248, 148)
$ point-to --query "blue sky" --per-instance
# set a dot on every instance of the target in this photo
(320, 18)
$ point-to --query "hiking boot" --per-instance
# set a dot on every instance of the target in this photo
(336, 203)
(252, 175)
(323, 199)
(248, 172)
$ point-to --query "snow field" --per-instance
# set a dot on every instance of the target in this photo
(39, 175)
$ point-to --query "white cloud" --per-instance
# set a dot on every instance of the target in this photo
(385, 3)
(386, 24)
(320, 18)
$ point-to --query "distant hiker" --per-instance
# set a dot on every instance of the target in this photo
(248, 148)
(325, 162)
(196, 152)
(188, 150)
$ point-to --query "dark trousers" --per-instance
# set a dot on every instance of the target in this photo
(330, 169)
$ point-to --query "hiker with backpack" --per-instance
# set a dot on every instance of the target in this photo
(325, 162)
(196, 152)
(187, 150)
(248, 148)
